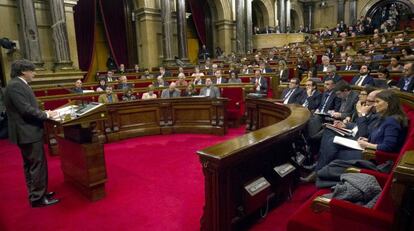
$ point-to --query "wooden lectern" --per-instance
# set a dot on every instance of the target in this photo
(81, 148)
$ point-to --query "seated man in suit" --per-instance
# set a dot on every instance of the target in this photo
(329, 100)
(363, 78)
(259, 82)
(78, 87)
(171, 92)
(108, 97)
(109, 76)
(147, 75)
(325, 63)
(407, 83)
(264, 68)
(160, 82)
(123, 83)
(219, 78)
(311, 96)
(121, 69)
(210, 90)
(349, 65)
(331, 74)
(164, 73)
(348, 98)
(293, 94)
(371, 64)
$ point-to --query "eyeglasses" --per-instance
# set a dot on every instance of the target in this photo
(310, 85)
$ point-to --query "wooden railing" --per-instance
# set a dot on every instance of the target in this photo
(230, 165)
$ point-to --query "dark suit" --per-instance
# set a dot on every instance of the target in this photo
(263, 85)
(406, 84)
(223, 80)
(329, 102)
(312, 102)
(368, 80)
(214, 92)
(387, 134)
(293, 96)
(26, 130)
(348, 104)
(284, 76)
(336, 78)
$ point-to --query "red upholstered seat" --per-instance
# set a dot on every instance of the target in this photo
(235, 106)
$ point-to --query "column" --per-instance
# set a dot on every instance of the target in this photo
(240, 28)
(341, 10)
(308, 8)
(181, 30)
(249, 26)
(282, 15)
(288, 23)
(30, 34)
(60, 35)
(167, 36)
(352, 12)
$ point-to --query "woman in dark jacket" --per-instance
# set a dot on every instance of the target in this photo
(388, 134)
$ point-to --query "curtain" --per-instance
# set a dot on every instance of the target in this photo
(113, 15)
(85, 20)
(197, 9)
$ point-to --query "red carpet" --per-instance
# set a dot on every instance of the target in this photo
(154, 183)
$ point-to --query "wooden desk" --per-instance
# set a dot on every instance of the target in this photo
(166, 116)
(229, 165)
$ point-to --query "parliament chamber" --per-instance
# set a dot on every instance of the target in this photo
(243, 83)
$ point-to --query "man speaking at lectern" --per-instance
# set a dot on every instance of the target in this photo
(26, 130)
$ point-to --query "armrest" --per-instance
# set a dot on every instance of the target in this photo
(379, 156)
(340, 209)
(320, 204)
(352, 170)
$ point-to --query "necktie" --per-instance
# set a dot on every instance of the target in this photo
(359, 82)
(288, 95)
(348, 68)
(325, 101)
(306, 103)
(406, 83)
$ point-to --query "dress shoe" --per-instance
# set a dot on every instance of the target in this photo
(44, 201)
(50, 194)
(310, 178)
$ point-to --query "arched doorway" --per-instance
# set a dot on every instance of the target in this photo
(260, 17)
(400, 11)
(294, 20)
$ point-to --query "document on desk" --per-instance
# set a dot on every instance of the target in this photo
(347, 143)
